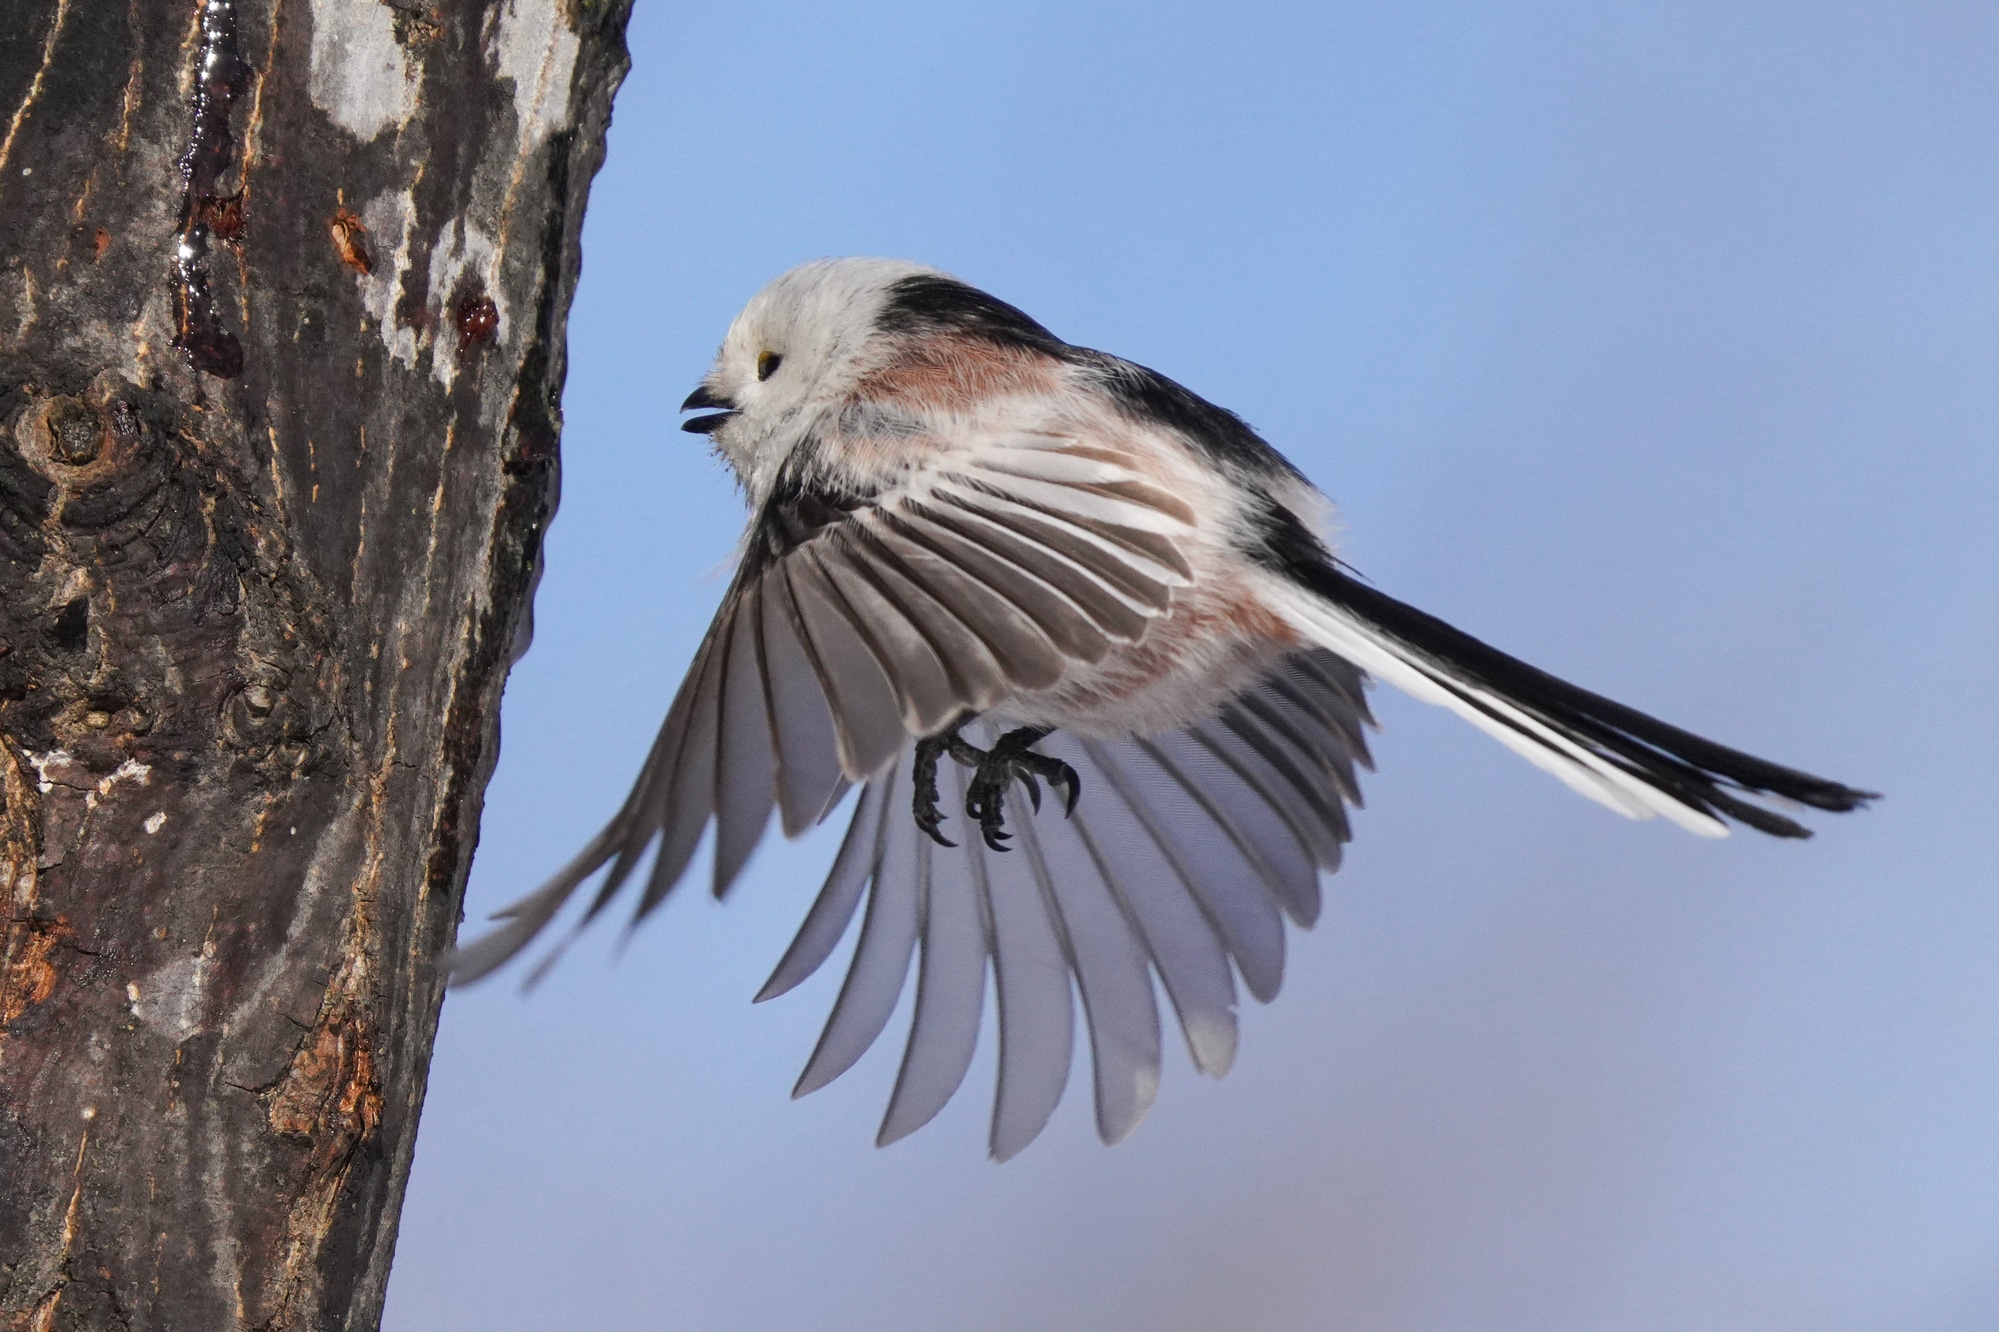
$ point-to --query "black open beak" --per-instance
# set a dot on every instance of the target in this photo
(706, 397)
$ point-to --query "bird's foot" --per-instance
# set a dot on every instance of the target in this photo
(924, 776)
(993, 770)
(1011, 757)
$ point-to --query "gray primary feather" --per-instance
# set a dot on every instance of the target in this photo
(950, 985)
(889, 930)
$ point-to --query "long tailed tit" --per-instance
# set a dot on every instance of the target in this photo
(982, 561)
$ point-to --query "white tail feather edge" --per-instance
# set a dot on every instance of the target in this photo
(1540, 744)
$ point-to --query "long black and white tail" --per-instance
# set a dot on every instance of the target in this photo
(1637, 765)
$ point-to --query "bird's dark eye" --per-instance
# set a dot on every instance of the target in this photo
(767, 364)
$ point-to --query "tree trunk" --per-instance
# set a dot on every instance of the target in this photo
(283, 287)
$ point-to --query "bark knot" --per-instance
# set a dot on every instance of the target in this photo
(27, 977)
(331, 1099)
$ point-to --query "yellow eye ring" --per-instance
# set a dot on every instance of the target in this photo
(767, 364)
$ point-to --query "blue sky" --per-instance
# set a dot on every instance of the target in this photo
(1653, 342)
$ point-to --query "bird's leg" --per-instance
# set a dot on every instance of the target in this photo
(924, 775)
(1011, 757)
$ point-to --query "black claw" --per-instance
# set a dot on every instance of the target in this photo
(924, 777)
(1075, 785)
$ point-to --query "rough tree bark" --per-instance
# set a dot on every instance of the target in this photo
(283, 286)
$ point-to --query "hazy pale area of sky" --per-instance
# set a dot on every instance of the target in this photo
(1656, 343)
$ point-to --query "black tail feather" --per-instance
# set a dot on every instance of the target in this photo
(1694, 770)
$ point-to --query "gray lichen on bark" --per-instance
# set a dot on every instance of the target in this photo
(283, 286)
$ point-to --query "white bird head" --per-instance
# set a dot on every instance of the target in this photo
(793, 356)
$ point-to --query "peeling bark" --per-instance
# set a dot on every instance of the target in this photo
(283, 286)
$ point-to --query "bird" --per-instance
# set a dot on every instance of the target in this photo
(980, 560)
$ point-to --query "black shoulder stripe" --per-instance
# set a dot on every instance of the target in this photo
(930, 303)
(1146, 395)
(1288, 544)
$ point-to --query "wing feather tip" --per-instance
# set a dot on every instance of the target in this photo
(486, 954)
(1114, 1125)
(1008, 1140)
(808, 1082)
(895, 1127)
(465, 966)
(1000, 1153)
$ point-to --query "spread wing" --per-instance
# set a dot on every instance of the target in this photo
(860, 619)
(1182, 859)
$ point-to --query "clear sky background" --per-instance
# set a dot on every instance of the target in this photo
(1653, 342)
